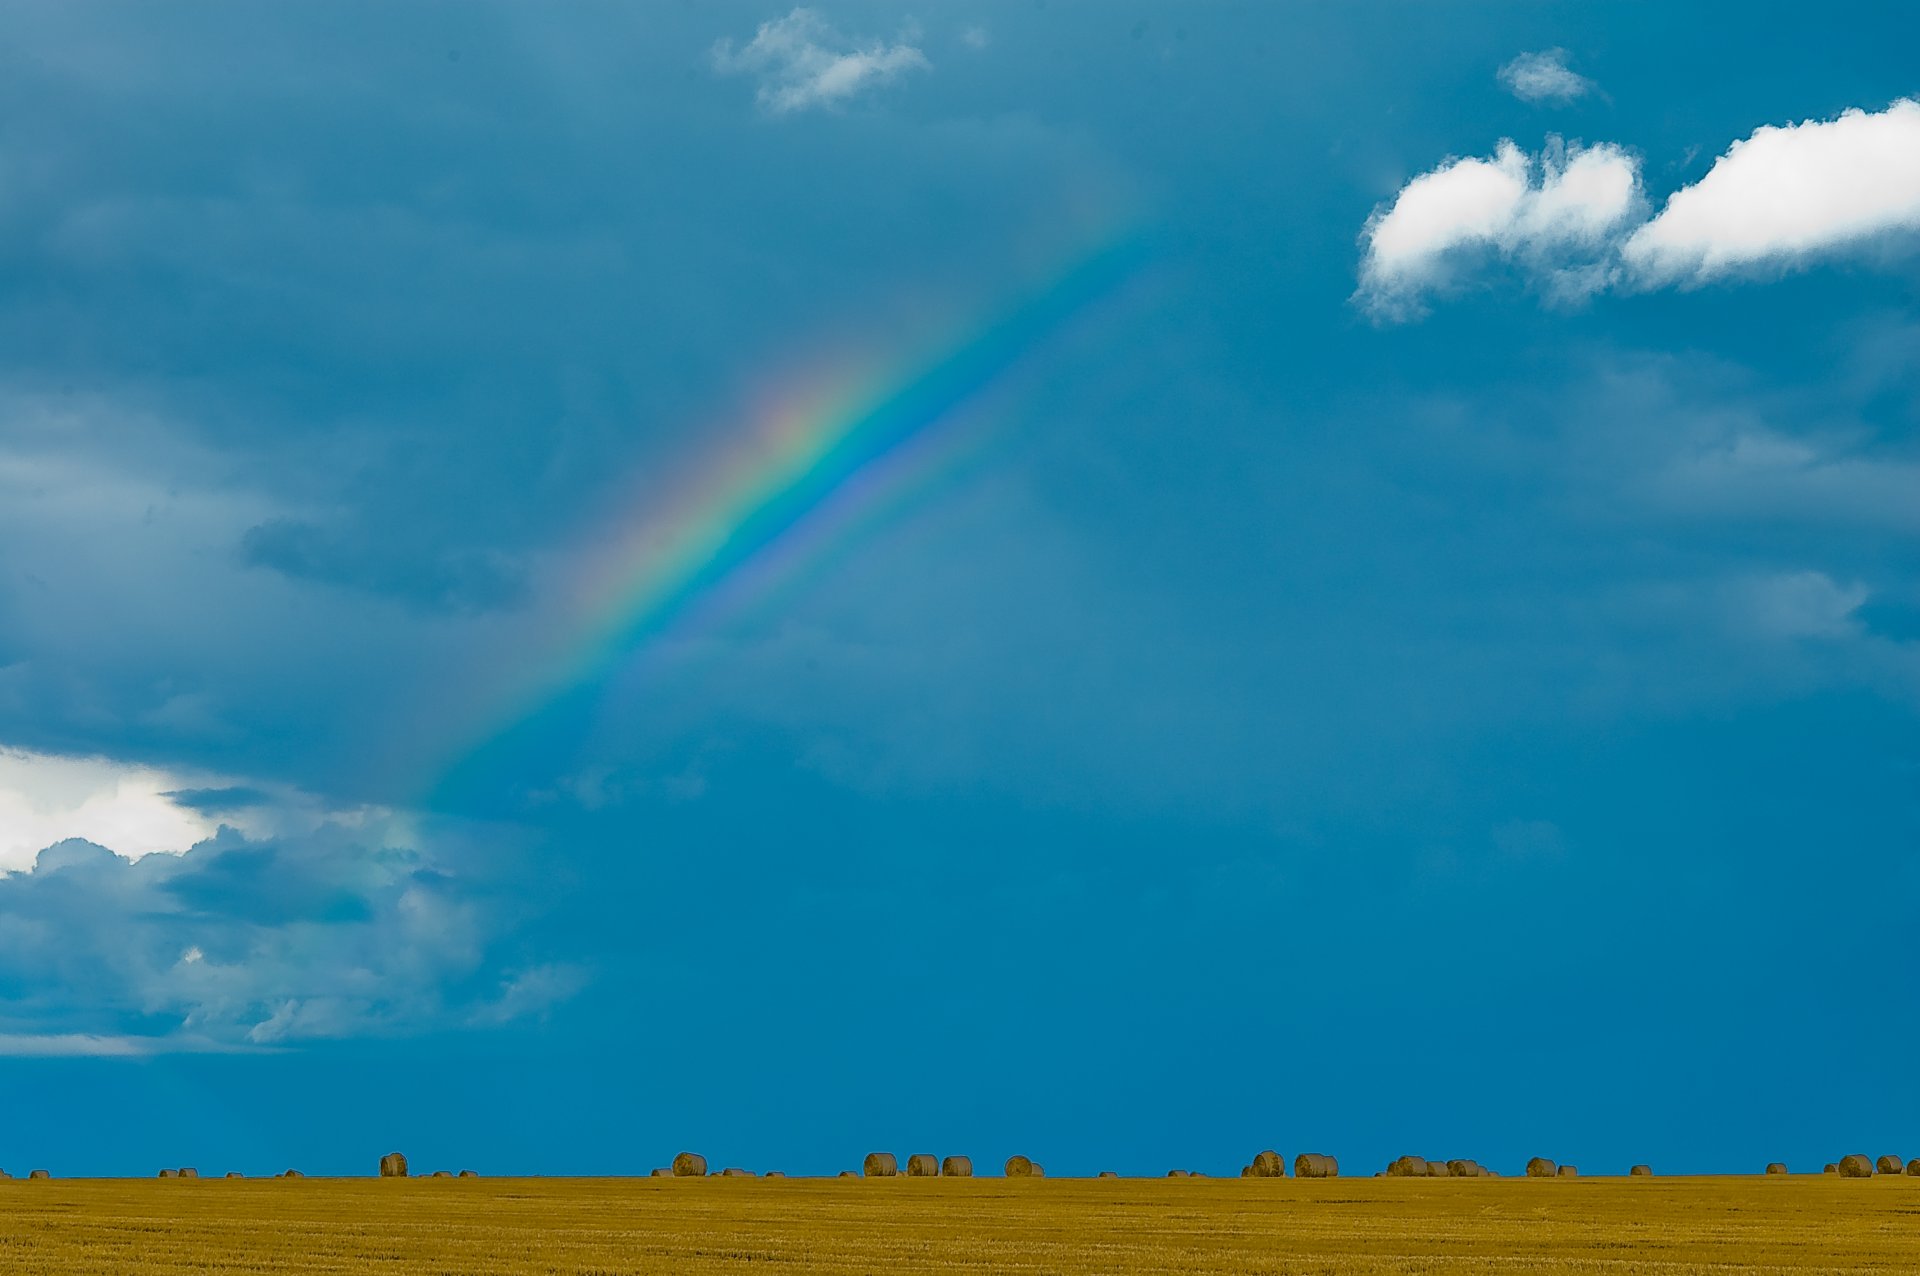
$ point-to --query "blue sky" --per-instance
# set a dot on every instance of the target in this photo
(1425, 659)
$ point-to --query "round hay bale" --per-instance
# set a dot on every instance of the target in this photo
(1438, 1170)
(922, 1165)
(1267, 1165)
(1829, 1168)
(1890, 1165)
(1913, 1168)
(1855, 1167)
(1569, 1172)
(1039, 1170)
(1776, 1167)
(188, 1172)
(848, 1174)
(1641, 1172)
(443, 1174)
(293, 1174)
(735, 1172)
(1176, 1174)
(658, 1173)
(393, 1166)
(38, 1174)
(235, 1174)
(957, 1167)
(1106, 1174)
(1540, 1168)
(879, 1165)
(166, 1174)
(1019, 1167)
(468, 1174)
(1462, 1169)
(1406, 1167)
(776, 1174)
(1312, 1165)
(689, 1165)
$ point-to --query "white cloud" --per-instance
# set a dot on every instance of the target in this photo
(1786, 194)
(802, 62)
(1780, 198)
(1544, 77)
(1551, 215)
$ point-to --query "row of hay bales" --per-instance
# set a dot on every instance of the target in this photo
(877, 1165)
(32, 1174)
(1266, 1164)
(188, 1172)
(1857, 1166)
(1416, 1167)
(1308, 1165)
(884, 1165)
(394, 1166)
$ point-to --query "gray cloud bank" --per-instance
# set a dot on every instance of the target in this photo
(252, 944)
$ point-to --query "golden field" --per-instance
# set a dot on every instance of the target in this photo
(1233, 1227)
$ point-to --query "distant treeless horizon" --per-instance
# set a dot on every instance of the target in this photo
(1117, 583)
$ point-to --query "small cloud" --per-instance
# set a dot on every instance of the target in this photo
(1544, 77)
(1785, 195)
(975, 37)
(1556, 215)
(802, 61)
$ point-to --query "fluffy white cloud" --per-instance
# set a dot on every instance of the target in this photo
(802, 62)
(1548, 214)
(1780, 198)
(1544, 77)
(1786, 194)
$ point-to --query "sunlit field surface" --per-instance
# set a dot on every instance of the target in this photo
(1804, 1223)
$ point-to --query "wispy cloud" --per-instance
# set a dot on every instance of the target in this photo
(1544, 77)
(1574, 222)
(1799, 604)
(801, 61)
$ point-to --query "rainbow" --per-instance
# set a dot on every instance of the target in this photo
(798, 467)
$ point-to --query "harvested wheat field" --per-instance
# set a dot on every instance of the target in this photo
(1762, 1224)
